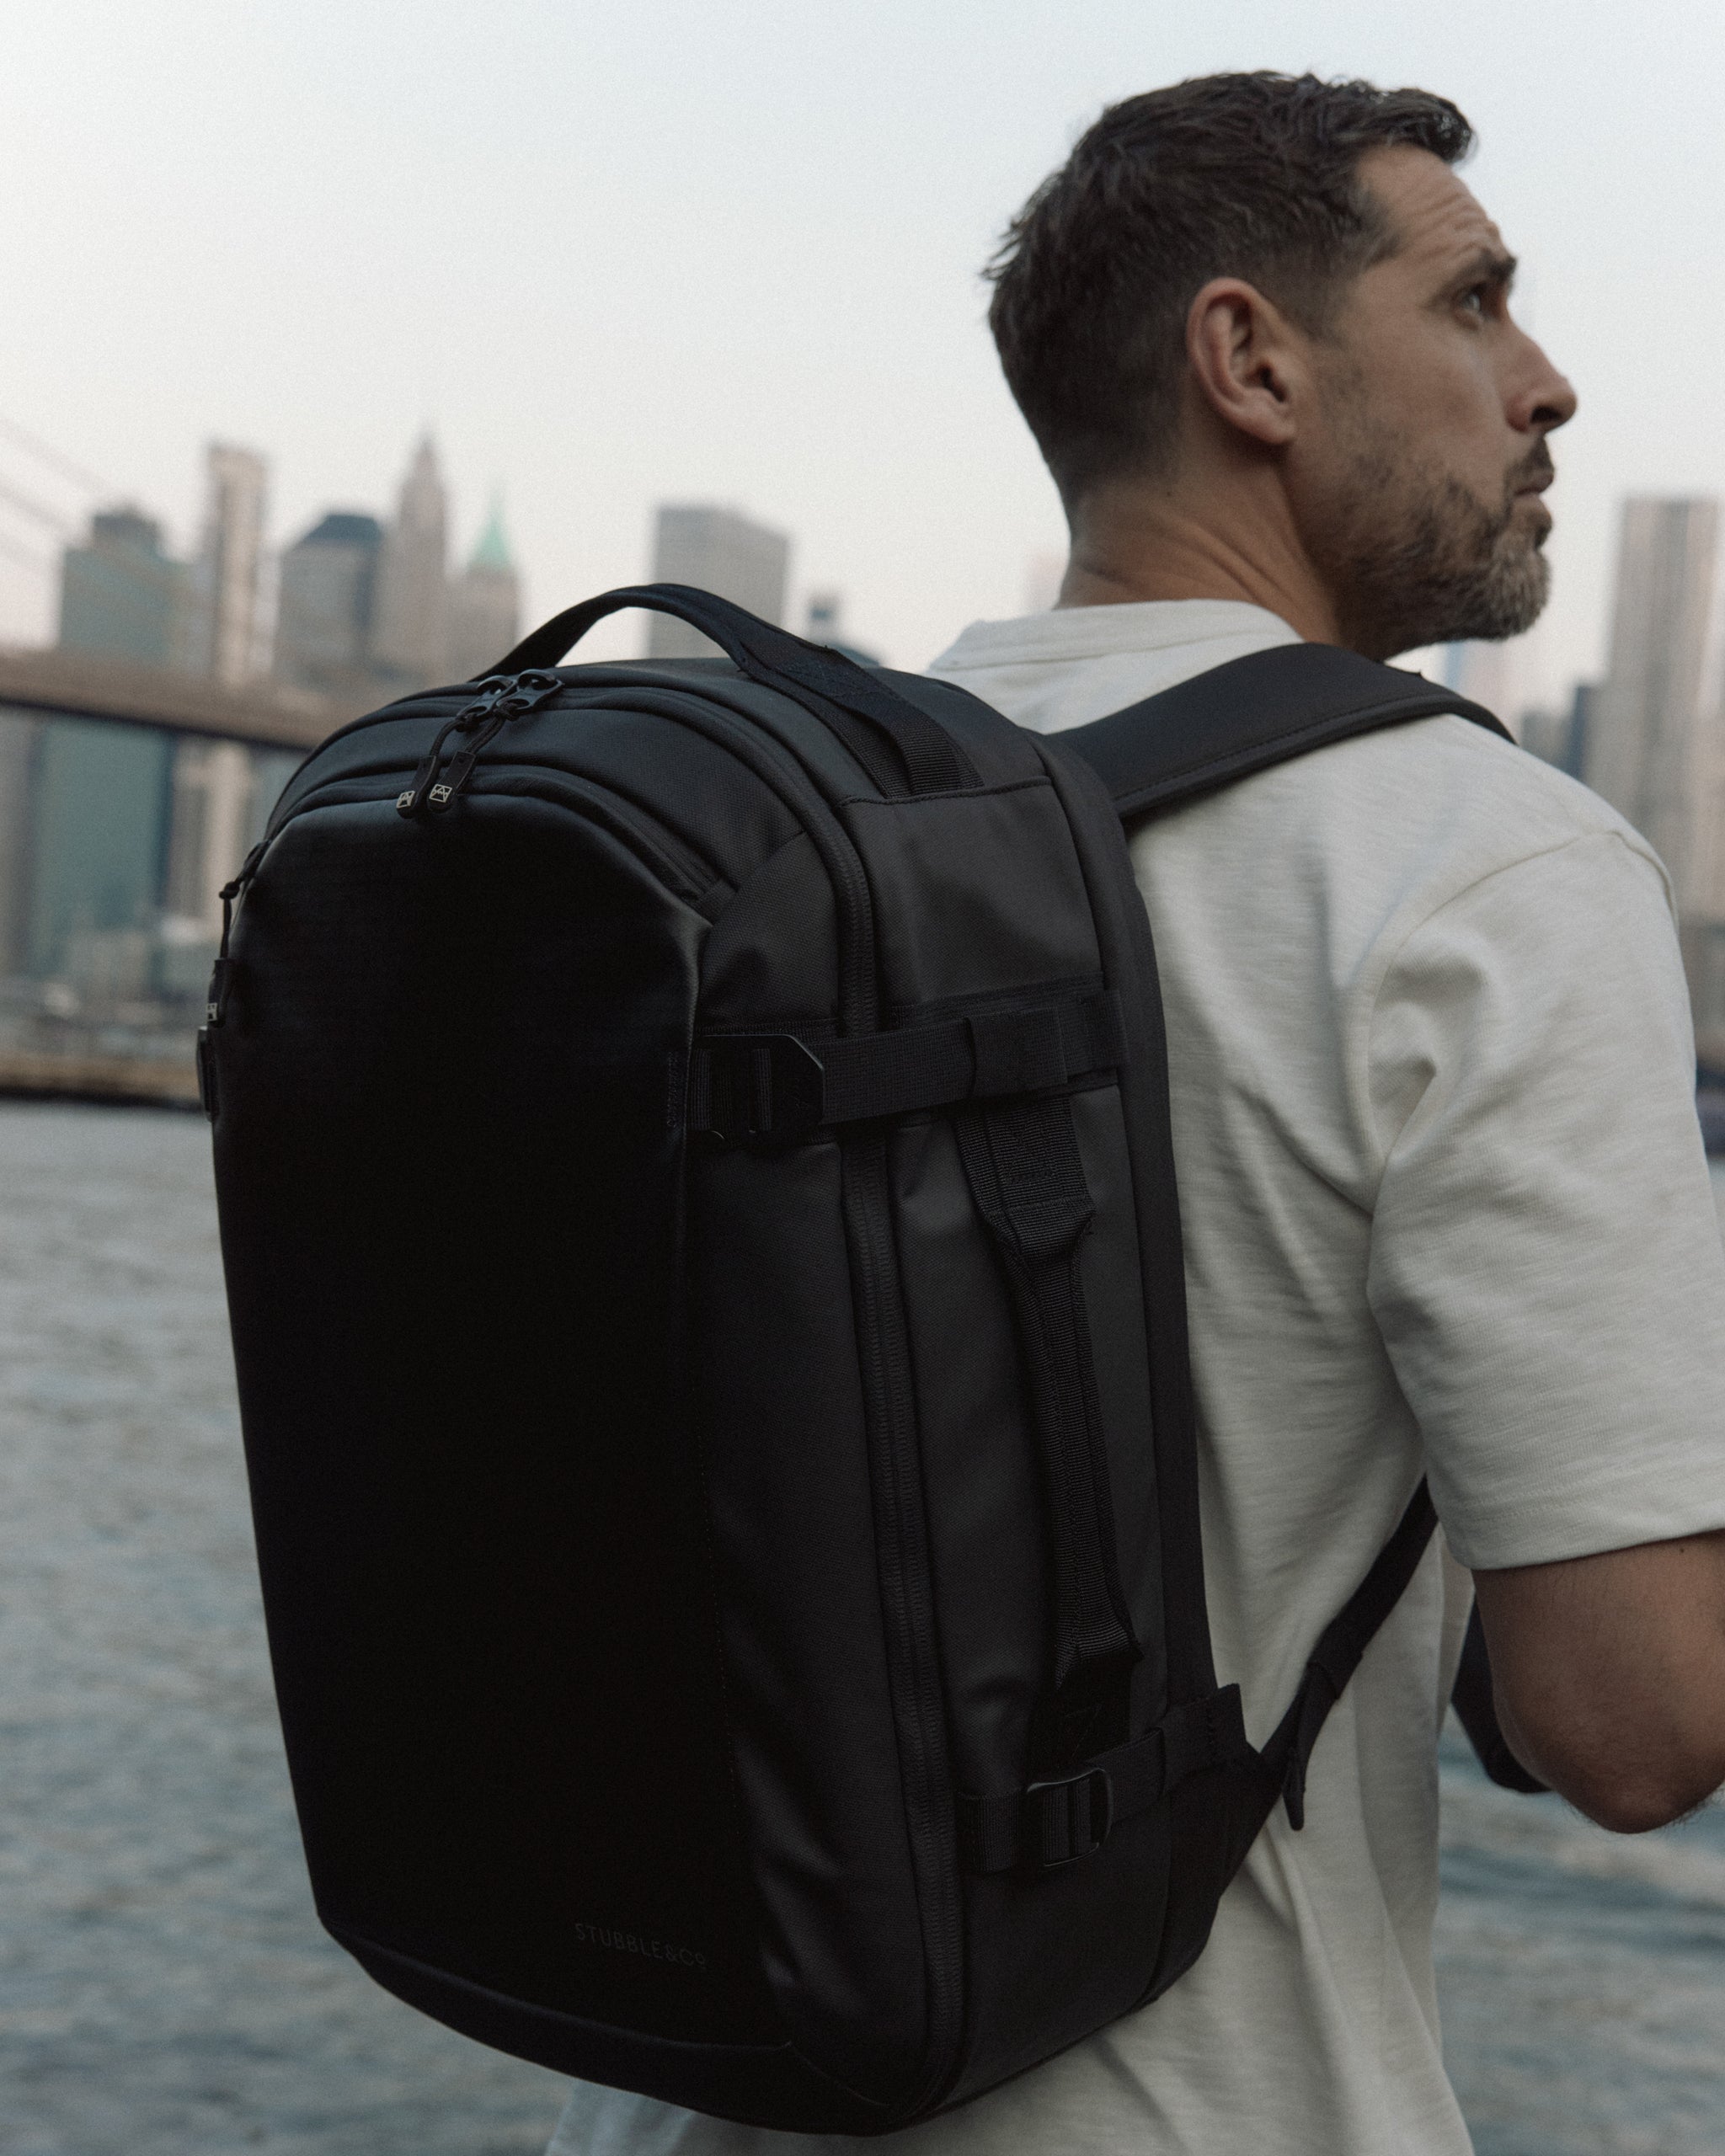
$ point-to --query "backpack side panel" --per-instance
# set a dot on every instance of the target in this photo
(982, 903)
(781, 1344)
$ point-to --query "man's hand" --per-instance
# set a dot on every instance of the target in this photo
(1611, 1676)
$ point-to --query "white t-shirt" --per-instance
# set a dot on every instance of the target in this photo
(1446, 1212)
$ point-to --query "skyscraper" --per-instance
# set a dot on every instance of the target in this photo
(1653, 735)
(717, 550)
(410, 625)
(19, 734)
(98, 825)
(324, 616)
(825, 626)
(220, 625)
(207, 832)
(119, 593)
(485, 606)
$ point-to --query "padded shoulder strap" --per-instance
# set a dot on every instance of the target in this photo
(1254, 712)
(1266, 708)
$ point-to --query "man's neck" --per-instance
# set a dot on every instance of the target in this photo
(1128, 548)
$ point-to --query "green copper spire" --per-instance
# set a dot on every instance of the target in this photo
(492, 552)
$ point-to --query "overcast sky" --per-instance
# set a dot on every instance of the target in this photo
(614, 252)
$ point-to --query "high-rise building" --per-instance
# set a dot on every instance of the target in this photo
(825, 626)
(99, 826)
(119, 593)
(1653, 733)
(19, 734)
(1581, 719)
(222, 627)
(1547, 734)
(485, 606)
(208, 832)
(1488, 673)
(324, 611)
(717, 550)
(409, 627)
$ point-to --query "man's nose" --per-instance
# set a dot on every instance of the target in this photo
(1542, 399)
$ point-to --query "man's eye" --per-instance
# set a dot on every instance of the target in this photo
(1474, 300)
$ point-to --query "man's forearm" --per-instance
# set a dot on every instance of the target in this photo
(1609, 1676)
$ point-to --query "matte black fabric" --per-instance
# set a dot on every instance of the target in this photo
(1337, 1653)
(932, 760)
(699, 1214)
(1027, 1180)
(1055, 1821)
(776, 1085)
(1252, 712)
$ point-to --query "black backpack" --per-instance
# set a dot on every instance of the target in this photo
(700, 1227)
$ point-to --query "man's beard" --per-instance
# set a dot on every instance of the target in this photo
(1411, 558)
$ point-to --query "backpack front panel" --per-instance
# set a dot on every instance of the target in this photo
(449, 1165)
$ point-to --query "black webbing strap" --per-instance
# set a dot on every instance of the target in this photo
(1027, 1178)
(1055, 1822)
(1266, 708)
(1336, 1655)
(933, 761)
(1059, 1819)
(776, 1085)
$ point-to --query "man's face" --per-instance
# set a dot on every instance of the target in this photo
(1419, 486)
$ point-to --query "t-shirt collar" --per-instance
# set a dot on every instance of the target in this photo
(1099, 632)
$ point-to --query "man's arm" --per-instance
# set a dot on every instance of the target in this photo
(1610, 1675)
(1548, 1276)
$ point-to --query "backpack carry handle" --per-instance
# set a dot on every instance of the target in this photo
(932, 760)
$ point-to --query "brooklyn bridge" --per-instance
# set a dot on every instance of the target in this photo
(128, 794)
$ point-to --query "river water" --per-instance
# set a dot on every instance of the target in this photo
(164, 1987)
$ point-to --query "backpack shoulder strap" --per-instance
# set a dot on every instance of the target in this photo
(1266, 708)
(1241, 717)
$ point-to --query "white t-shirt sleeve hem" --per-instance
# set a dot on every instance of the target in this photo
(1547, 1269)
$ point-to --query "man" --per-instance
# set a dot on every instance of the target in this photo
(1444, 1198)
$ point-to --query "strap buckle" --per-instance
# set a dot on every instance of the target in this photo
(761, 1085)
(1068, 1819)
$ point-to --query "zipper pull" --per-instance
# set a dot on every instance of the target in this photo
(222, 980)
(522, 694)
(414, 797)
(221, 973)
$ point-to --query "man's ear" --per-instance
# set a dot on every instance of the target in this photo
(1245, 358)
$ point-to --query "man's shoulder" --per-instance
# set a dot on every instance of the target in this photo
(1325, 868)
(1496, 802)
(1442, 800)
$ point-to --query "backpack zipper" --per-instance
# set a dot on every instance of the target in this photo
(901, 1532)
(502, 697)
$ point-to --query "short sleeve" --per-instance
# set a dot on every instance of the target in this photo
(1546, 1268)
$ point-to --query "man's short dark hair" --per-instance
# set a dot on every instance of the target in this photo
(1251, 176)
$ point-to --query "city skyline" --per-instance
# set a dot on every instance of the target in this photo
(117, 832)
(717, 550)
(397, 616)
(357, 604)
(355, 608)
(747, 270)
(1517, 676)
(717, 546)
